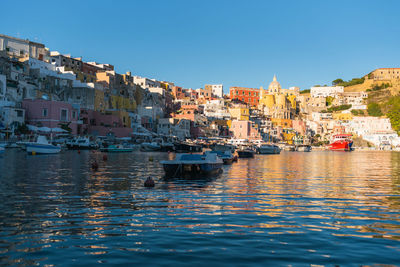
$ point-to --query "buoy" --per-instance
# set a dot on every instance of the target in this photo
(79, 152)
(149, 182)
(151, 159)
(34, 153)
(95, 166)
(105, 158)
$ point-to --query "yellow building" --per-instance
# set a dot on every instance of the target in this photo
(240, 113)
(100, 103)
(124, 116)
(283, 123)
(342, 116)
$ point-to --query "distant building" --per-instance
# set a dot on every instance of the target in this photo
(325, 91)
(247, 95)
(385, 74)
(217, 90)
(21, 48)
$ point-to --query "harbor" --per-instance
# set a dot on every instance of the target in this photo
(304, 208)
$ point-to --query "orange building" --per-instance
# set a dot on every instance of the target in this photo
(247, 95)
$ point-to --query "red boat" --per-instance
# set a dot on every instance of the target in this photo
(341, 142)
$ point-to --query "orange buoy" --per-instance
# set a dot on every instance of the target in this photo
(79, 152)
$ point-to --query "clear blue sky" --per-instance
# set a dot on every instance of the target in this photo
(237, 43)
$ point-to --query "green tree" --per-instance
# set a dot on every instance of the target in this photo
(337, 81)
(329, 100)
(374, 110)
(354, 112)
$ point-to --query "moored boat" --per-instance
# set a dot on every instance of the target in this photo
(246, 152)
(149, 147)
(303, 148)
(226, 156)
(341, 142)
(194, 165)
(81, 143)
(118, 148)
(2, 149)
(42, 146)
(268, 149)
(183, 147)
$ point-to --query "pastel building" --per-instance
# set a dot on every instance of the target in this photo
(51, 114)
(244, 130)
(325, 91)
(248, 95)
(217, 90)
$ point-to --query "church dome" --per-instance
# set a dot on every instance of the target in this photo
(274, 86)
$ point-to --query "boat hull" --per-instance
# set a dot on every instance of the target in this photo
(192, 170)
(246, 154)
(341, 146)
(78, 147)
(269, 150)
(42, 149)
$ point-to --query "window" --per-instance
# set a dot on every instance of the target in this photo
(74, 114)
(44, 112)
(64, 115)
(19, 113)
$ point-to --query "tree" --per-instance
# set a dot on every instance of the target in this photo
(337, 81)
(354, 112)
(374, 110)
(329, 100)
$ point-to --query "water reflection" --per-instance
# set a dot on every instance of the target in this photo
(304, 208)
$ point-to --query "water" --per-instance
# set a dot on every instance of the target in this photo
(295, 208)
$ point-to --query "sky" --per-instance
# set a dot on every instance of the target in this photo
(236, 43)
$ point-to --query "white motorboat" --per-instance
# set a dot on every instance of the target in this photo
(268, 149)
(194, 165)
(226, 156)
(81, 143)
(42, 146)
(303, 148)
(148, 147)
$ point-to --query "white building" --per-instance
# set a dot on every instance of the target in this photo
(12, 117)
(319, 116)
(370, 125)
(325, 91)
(216, 109)
(23, 48)
(217, 90)
(175, 127)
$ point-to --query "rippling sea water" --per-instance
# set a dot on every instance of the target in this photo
(323, 208)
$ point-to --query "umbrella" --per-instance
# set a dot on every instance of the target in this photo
(58, 130)
(44, 129)
(32, 127)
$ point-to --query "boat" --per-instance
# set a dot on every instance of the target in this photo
(194, 165)
(118, 148)
(224, 147)
(81, 143)
(185, 147)
(226, 156)
(149, 147)
(289, 148)
(42, 146)
(2, 148)
(268, 149)
(303, 148)
(341, 142)
(246, 152)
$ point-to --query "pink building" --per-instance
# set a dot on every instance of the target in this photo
(102, 124)
(51, 114)
(244, 130)
(299, 126)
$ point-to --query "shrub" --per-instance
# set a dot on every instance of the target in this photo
(374, 110)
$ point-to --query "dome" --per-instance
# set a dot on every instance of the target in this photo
(274, 86)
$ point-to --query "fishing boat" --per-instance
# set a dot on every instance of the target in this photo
(80, 143)
(303, 148)
(246, 152)
(118, 148)
(268, 149)
(42, 146)
(194, 165)
(341, 142)
(226, 156)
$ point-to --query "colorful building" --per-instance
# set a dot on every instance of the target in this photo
(248, 95)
